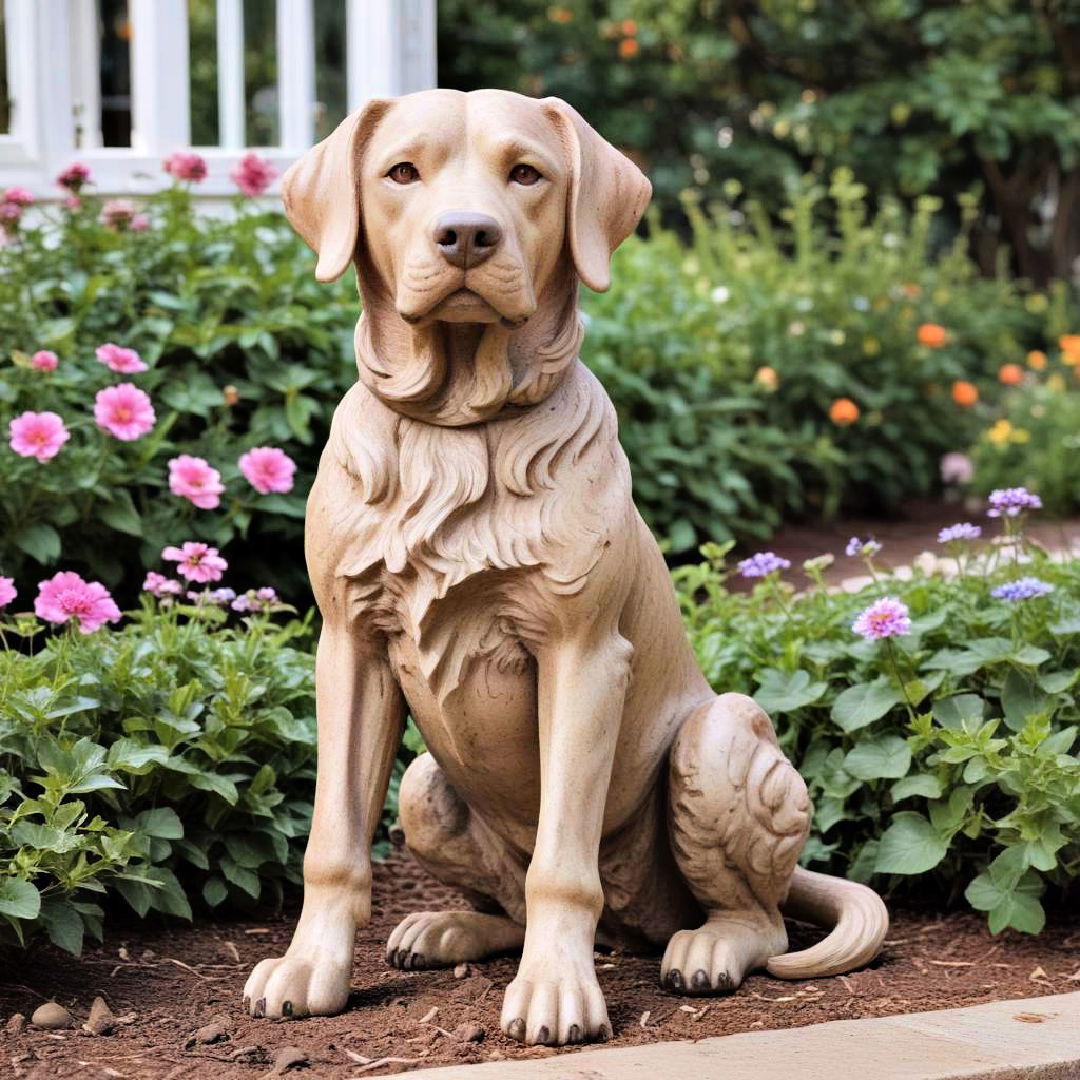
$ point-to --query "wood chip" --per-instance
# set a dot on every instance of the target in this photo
(1030, 1018)
(232, 950)
(430, 1015)
(644, 1018)
(387, 1061)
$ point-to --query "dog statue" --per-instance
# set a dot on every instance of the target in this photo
(479, 563)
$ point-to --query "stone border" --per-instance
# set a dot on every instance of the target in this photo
(1005, 1040)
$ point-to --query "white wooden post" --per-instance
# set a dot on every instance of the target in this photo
(86, 74)
(230, 59)
(55, 134)
(160, 83)
(296, 73)
(390, 48)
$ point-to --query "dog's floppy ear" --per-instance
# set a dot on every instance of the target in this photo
(608, 194)
(322, 191)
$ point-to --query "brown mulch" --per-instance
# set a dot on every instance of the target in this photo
(167, 982)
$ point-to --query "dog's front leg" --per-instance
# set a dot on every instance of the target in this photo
(360, 713)
(555, 998)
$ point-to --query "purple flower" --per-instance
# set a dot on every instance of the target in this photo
(224, 595)
(857, 548)
(242, 604)
(266, 594)
(1025, 588)
(762, 564)
(1009, 502)
(962, 531)
(884, 618)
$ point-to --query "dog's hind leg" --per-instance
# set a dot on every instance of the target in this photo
(739, 817)
(454, 846)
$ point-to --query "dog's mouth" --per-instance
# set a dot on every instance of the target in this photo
(464, 305)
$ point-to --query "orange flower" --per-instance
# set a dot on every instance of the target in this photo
(1070, 349)
(766, 376)
(560, 14)
(629, 27)
(1037, 360)
(932, 336)
(911, 290)
(1011, 374)
(964, 393)
(843, 411)
(628, 48)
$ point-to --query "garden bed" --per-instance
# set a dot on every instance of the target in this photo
(169, 982)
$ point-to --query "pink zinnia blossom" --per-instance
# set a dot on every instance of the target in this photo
(18, 196)
(195, 479)
(140, 223)
(44, 360)
(72, 202)
(10, 213)
(8, 592)
(124, 411)
(884, 618)
(117, 358)
(253, 174)
(118, 213)
(197, 561)
(159, 585)
(268, 469)
(74, 177)
(38, 434)
(185, 166)
(66, 596)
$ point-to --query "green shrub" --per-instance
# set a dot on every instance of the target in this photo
(1035, 436)
(170, 762)
(244, 349)
(724, 359)
(940, 761)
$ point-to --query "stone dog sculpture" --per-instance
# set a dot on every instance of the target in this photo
(478, 560)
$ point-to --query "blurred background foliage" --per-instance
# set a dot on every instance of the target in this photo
(914, 96)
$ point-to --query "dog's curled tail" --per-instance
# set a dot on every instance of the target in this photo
(857, 915)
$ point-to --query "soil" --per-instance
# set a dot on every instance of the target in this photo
(165, 982)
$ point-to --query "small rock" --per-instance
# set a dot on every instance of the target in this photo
(209, 1033)
(469, 1032)
(16, 1025)
(288, 1057)
(462, 971)
(123, 953)
(147, 955)
(101, 1020)
(51, 1017)
(251, 1055)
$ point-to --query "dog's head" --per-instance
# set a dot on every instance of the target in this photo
(463, 208)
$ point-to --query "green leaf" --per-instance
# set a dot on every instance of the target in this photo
(1009, 892)
(120, 514)
(215, 891)
(920, 784)
(162, 821)
(864, 703)
(782, 692)
(1020, 699)
(910, 845)
(954, 712)
(64, 925)
(40, 541)
(19, 899)
(886, 757)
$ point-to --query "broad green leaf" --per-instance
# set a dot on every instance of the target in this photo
(215, 891)
(64, 925)
(39, 540)
(19, 899)
(120, 514)
(782, 692)
(910, 845)
(920, 784)
(885, 757)
(1020, 698)
(162, 821)
(864, 703)
(960, 709)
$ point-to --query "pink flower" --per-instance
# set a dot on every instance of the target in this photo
(268, 469)
(72, 202)
(884, 618)
(140, 223)
(8, 592)
(253, 174)
(195, 479)
(159, 585)
(44, 360)
(117, 358)
(18, 196)
(66, 596)
(38, 434)
(118, 213)
(185, 166)
(74, 177)
(124, 411)
(197, 561)
(10, 213)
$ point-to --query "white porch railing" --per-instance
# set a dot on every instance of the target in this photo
(54, 84)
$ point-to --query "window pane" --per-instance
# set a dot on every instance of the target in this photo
(115, 27)
(330, 90)
(260, 72)
(203, 65)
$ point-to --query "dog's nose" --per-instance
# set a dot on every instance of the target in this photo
(466, 239)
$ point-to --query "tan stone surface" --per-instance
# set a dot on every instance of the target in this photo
(985, 1041)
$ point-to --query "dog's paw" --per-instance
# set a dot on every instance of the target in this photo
(432, 939)
(555, 1011)
(295, 985)
(717, 956)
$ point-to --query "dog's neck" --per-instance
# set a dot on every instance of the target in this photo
(453, 374)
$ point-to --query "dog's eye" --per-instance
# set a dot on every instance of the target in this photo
(404, 172)
(525, 175)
